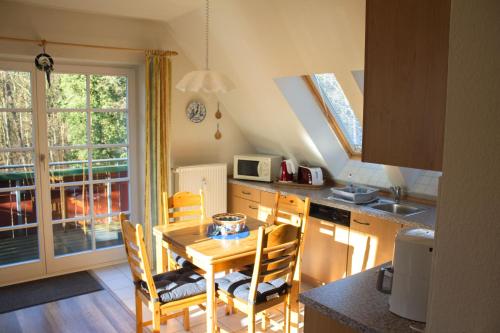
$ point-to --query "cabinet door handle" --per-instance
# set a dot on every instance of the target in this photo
(359, 222)
(253, 207)
(246, 193)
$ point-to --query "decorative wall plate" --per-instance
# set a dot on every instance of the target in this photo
(196, 111)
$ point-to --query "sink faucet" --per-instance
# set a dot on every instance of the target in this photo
(396, 191)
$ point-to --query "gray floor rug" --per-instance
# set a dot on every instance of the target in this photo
(37, 292)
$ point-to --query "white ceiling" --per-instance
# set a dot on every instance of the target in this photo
(162, 10)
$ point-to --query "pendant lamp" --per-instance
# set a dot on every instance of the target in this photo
(207, 80)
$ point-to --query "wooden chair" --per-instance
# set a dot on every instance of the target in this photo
(269, 283)
(162, 293)
(183, 206)
(291, 209)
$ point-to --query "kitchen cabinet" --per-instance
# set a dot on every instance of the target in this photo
(250, 201)
(315, 321)
(337, 244)
(325, 252)
(244, 192)
(244, 206)
(371, 242)
(406, 57)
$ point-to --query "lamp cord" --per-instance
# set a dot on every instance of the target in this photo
(207, 14)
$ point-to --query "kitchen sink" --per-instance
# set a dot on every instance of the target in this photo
(397, 208)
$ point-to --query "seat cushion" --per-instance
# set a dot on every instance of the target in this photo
(181, 261)
(237, 284)
(175, 285)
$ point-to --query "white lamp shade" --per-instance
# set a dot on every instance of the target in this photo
(205, 81)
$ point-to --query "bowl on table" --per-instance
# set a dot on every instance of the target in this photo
(229, 223)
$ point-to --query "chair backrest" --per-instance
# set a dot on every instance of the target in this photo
(185, 206)
(277, 254)
(291, 209)
(135, 247)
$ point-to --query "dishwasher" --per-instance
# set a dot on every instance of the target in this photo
(326, 244)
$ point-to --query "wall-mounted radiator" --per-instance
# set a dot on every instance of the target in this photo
(211, 178)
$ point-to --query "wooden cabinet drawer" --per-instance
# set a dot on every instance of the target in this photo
(371, 242)
(244, 192)
(248, 207)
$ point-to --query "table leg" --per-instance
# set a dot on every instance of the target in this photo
(211, 311)
(161, 255)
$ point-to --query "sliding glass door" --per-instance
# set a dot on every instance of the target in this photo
(83, 167)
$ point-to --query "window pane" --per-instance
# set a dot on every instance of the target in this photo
(18, 245)
(15, 90)
(108, 163)
(17, 208)
(67, 91)
(110, 198)
(72, 237)
(340, 108)
(67, 128)
(108, 232)
(68, 165)
(108, 92)
(69, 201)
(109, 127)
(15, 129)
(16, 169)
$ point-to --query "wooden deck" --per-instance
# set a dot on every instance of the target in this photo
(70, 239)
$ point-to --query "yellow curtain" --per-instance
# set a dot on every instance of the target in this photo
(158, 95)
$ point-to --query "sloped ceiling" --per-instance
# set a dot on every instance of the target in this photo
(254, 42)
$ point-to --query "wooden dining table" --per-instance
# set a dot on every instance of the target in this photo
(189, 239)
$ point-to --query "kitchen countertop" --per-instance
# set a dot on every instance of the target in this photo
(355, 302)
(425, 219)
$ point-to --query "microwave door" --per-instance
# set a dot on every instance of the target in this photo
(248, 168)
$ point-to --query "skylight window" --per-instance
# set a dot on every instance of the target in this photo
(341, 117)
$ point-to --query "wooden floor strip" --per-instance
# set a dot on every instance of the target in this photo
(96, 312)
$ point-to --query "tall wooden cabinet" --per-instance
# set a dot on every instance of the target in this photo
(406, 60)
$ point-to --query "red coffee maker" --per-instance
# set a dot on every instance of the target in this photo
(287, 171)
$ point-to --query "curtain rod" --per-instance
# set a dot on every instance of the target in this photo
(43, 42)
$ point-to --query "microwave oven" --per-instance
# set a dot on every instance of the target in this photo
(264, 168)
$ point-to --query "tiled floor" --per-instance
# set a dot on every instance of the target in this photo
(119, 281)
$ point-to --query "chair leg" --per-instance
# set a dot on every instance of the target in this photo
(185, 321)
(251, 320)
(265, 320)
(286, 321)
(229, 306)
(138, 313)
(156, 319)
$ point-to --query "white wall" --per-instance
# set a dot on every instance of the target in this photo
(191, 143)
(254, 42)
(465, 286)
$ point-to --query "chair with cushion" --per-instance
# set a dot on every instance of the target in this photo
(268, 284)
(288, 209)
(183, 206)
(162, 293)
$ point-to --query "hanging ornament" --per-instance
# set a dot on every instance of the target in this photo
(218, 114)
(44, 63)
(218, 134)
